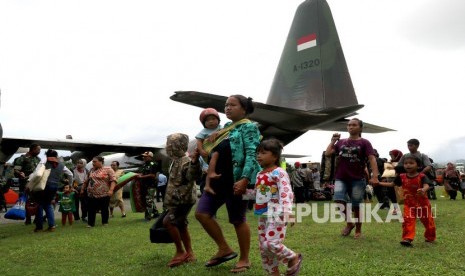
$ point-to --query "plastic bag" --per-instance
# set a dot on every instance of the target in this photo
(18, 211)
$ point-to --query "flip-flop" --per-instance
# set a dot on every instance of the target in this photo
(219, 260)
(295, 269)
(240, 268)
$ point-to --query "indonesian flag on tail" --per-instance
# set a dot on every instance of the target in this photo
(306, 42)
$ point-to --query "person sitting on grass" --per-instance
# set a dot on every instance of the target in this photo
(180, 196)
(416, 204)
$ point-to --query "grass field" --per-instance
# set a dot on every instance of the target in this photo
(124, 248)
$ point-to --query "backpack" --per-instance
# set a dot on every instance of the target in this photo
(432, 173)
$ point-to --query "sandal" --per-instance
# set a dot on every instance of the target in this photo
(346, 231)
(219, 260)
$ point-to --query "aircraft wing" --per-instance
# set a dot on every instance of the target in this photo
(283, 123)
(11, 145)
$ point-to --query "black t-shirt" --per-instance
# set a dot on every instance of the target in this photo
(224, 167)
(148, 168)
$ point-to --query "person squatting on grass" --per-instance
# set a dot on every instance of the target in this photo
(416, 204)
(274, 198)
(352, 155)
(180, 196)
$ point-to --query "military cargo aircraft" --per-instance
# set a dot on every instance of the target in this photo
(312, 88)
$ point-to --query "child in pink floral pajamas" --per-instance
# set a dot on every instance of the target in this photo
(273, 205)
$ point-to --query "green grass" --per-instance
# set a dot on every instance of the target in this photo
(124, 248)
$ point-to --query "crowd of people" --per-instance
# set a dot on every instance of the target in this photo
(234, 160)
(81, 193)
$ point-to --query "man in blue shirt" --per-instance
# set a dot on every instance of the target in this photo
(161, 188)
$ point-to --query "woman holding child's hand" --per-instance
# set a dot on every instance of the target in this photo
(236, 165)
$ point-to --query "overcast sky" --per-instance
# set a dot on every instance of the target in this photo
(104, 70)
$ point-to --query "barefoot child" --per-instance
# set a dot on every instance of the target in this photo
(274, 199)
(67, 204)
(211, 121)
(416, 204)
(180, 196)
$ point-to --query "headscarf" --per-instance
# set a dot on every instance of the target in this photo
(450, 171)
(84, 163)
(396, 155)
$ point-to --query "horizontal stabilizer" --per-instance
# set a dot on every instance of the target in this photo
(283, 123)
(341, 126)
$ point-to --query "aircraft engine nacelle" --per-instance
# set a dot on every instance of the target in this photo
(76, 155)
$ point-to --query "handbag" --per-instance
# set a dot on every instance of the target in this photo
(43, 181)
(389, 170)
(36, 176)
(32, 207)
(158, 233)
(18, 211)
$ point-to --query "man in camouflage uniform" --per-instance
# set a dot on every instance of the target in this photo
(23, 167)
(149, 180)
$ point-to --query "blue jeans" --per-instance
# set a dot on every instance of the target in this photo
(45, 198)
(350, 191)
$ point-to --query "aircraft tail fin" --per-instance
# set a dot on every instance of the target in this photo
(312, 73)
